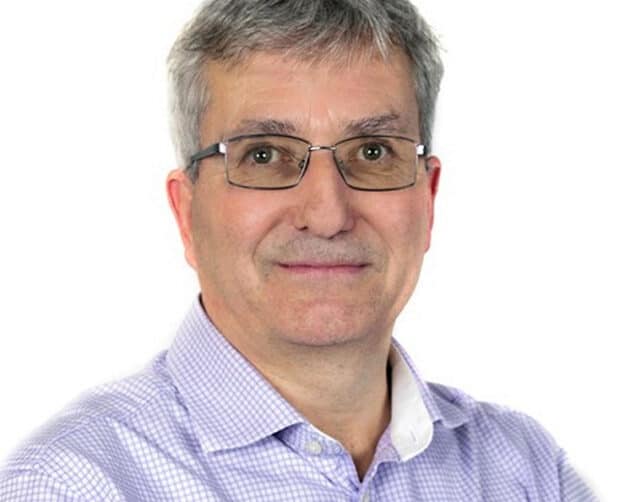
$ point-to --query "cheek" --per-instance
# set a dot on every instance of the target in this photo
(229, 227)
(403, 228)
(408, 240)
(404, 223)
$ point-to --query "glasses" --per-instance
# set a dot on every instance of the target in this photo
(277, 161)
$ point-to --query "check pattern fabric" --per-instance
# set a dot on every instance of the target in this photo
(200, 423)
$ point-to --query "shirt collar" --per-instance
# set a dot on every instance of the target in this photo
(232, 405)
(416, 407)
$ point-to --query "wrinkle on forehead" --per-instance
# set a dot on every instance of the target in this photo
(251, 97)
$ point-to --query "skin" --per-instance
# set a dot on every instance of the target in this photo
(319, 333)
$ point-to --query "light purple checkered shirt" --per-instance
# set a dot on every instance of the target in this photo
(201, 424)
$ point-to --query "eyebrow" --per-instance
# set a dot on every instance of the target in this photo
(379, 124)
(267, 126)
(387, 123)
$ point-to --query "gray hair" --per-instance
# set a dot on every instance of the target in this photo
(313, 30)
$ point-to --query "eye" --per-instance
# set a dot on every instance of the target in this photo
(373, 151)
(263, 154)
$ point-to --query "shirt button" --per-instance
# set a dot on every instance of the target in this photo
(366, 497)
(314, 447)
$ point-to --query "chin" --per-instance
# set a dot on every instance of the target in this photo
(326, 326)
(320, 339)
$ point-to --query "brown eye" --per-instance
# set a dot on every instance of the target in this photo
(262, 155)
(373, 151)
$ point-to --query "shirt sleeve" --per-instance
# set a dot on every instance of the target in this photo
(33, 486)
(572, 486)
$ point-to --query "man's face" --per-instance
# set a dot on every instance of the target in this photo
(319, 263)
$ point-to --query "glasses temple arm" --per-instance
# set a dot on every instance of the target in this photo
(207, 152)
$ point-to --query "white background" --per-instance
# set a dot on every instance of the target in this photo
(524, 295)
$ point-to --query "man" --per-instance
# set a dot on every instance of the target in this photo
(305, 202)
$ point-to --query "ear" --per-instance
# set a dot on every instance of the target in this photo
(434, 166)
(179, 190)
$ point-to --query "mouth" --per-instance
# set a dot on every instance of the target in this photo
(323, 269)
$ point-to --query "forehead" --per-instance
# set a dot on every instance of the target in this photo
(311, 98)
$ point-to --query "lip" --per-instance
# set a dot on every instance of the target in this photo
(323, 268)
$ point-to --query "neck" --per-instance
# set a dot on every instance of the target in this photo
(340, 388)
(343, 390)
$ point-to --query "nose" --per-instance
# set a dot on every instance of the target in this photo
(324, 200)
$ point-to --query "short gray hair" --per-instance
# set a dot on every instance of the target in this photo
(313, 30)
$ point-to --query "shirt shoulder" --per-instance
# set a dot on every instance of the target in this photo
(500, 446)
(492, 421)
(494, 428)
(91, 436)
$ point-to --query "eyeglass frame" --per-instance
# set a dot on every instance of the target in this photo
(221, 148)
